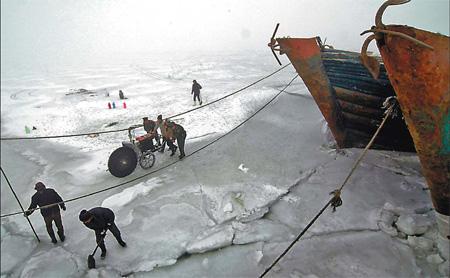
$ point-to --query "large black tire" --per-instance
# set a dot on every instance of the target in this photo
(122, 162)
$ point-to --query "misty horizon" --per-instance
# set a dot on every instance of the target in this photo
(48, 33)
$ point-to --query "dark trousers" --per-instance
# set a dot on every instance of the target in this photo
(55, 216)
(100, 240)
(157, 138)
(180, 140)
(197, 96)
(170, 144)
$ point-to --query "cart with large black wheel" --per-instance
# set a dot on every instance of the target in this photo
(139, 149)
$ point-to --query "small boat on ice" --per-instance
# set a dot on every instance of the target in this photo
(348, 97)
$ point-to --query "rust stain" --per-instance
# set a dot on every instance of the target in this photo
(420, 77)
(304, 54)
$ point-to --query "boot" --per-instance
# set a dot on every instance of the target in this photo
(103, 254)
(62, 237)
(52, 236)
(173, 151)
(122, 243)
(181, 156)
(163, 146)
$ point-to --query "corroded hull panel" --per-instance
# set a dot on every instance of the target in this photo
(420, 77)
(305, 56)
(348, 97)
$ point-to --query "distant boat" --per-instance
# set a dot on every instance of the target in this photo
(348, 97)
(417, 64)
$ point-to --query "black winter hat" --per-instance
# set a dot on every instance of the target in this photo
(84, 215)
(39, 186)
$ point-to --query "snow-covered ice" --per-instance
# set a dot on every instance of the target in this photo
(226, 211)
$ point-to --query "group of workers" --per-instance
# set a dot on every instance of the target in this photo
(170, 131)
(101, 219)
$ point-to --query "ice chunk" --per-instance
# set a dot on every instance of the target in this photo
(387, 217)
(150, 265)
(420, 243)
(14, 249)
(260, 230)
(413, 224)
(55, 262)
(243, 168)
(423, 210)
(396, 210)
(102, 273)
(249, 201)
(129, 194)
(258, 255)
(435, 259)
(228, 207)
(219, 236)
(444, 269)
(385, 221)
(311, 276)
(251, 215)
(387, 229)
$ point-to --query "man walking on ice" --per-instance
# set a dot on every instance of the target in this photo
(196, 91)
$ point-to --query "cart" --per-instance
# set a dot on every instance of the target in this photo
(139, 149)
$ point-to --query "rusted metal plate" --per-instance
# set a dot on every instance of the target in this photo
(420, 77)
(348, 97)
(304, 54)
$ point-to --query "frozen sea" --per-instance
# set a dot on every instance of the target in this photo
(228, 210)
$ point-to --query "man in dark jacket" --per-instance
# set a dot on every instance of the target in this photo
(196, 91)
(150, 128)
(101, 219)
(177, 132)
(46, 196)
(121, 95)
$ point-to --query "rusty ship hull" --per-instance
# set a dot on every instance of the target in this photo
(348, 97)
(420, 77)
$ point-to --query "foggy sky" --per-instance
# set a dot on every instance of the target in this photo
(63, 31)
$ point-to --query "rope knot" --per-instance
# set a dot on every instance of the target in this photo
(336, 201)
(391, 106)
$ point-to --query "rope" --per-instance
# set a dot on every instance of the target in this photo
(296, 239)
(20, 204)
(62, 136)
(336, 200)
(388, 104)
(125, 129)
(164, 167)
